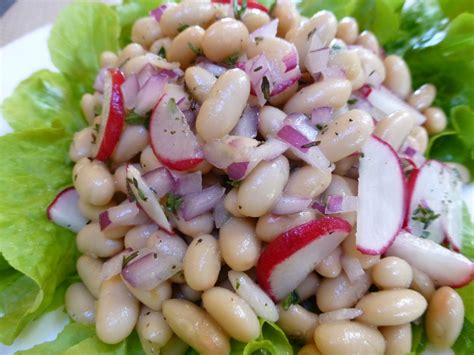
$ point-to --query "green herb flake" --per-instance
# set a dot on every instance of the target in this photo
(239, 10)
(266, 88)
(352, 101)
(137, 120)
(232, 183)
(258, 39)
(311, 144)
(128, 258)
(292, 298)
(230, 61)
(173, 202)
(237, 285)
(182, 27)
(162, 52)
(424, 215)
(172, 107)
(197, 51)
(322, 128)
(311, 33)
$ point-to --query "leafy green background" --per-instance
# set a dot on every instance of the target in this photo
(37, 258)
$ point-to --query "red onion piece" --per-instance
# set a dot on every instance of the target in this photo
(150, 270)
(130, 91)
(321, 115)
(317, 61)
(247, 125)
(291, 60)
(220, 214)
(189, 183)
(199, 203)
(214, 69)
(237, 171)
(158, 12)
(340, 314)
(341, 204)
(319, 206)
(290, 205)
(267, 30)
(172, 74)
(150, 94)
(113, 266)
(352, 268)
(293, 137)
(410, 151)
(99, 80)
(257, 69)
(145, 74)
(125, 214)
(160, 181)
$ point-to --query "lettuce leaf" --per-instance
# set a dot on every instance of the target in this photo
(45, 99)
(33, 167)
(80, 34)
(454, 8)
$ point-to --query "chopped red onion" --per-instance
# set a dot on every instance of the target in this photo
(291, 60)
(267, 30)
(318, 206)
(158, 12)
(340, 314)
(341, 204)
(352, 268)
(410, 151)
(113, 266)
(150, 270)
(150, 94)
(220, 214)
(199, 203)
(189, 183)
(321, 115)
(290, 205)
(160, 181)
(238, 171)
(317, 61)
(247, 125)
(214, 69)
(293, 137)
(172, 74)
(125, 214)
(145, 74)
(130, 91)
(99, 80)
(258, 69)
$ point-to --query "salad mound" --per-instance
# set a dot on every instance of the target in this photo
(244, 177)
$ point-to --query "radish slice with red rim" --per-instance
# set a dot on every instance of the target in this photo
(64, 210)
(382, 197)
(453, 217)
(113, 115)
(289, 258)
(445, 267)
(146, 198)
(172, 140)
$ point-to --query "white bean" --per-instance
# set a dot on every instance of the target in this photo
(153, 298)
(422, 283)
(392, 272)
(137, 237)
(349, 248)
(93, 182)
(108, 59)
(92, 241)
(90, 270)
(183, 15)
(436, 120)
(148, 160)
(199, 82)
(202, 263)
(81, 146)
(308, 182)
(308, 287)
(79, 304)
(202, 224)
(423, 97)
(232, 313)
(398, 77)
(331, 265)
(288, 16)
(186, 46)
(397, 339)
(225, 38)
(153, 330)
(270, 121)
(395, 128)
(231, 204)
(132, 141)
(254, 18)
(348, 30)
(297, 322)
(130, 51)
(368, 41)
(145, 31)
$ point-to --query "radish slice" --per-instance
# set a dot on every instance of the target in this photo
(160, 181)
(383, 100)
(113, 115)
(172, 140)
(199, 203)
(125, 214)
(246, 288)
(293, 255)
(445, 267)
(453, 217)
(382, 197)
(146, 198)
(149, 271)
(290, 205)
(64, 210)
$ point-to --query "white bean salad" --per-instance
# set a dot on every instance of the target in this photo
(241, 166)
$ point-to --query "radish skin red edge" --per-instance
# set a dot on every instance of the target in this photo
(445, 267)
(382, 197)
(289, 258)
(113, 115)
(64, 210)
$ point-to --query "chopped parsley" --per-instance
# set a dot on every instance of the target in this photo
(361, 154)
(162, 52)
(173, 202)
(239, 10)
(322, 128)
(266, 88)
(311, 144)
(237, 285)
(424, 215)
(94, 138)
(197, 51)
(182, 27)
(352, 101)
(232, 183)
(172, 107)
(141, 195)
(311, 33)
(128, 258)
(258, 39)
(292, 298)
(137, 120)
(96, 127)
(230, 61)
(336, 47)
